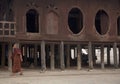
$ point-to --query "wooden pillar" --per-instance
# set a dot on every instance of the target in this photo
(102, 57)
(62, 64)
(108, 55)
(90, 55)
(115, 55)
(68, 56)
(25, 54)
(3, 55)
(79, 57)
(28, 52)
(93, 55)
(43, 62)
(9, 57)
(35, 56)
(52, 57)
(119, 55)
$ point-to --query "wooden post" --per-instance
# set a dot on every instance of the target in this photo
(9, 57)
(3, 55)
(35, 56)
(102, 56)
(62, 64)
(119, 55)
(93, 55)
(115, 55)
(108, 55)
(79, 57)
(52, 59)
(43, 63)
(68, 56)
(25, 54)
(90, 55)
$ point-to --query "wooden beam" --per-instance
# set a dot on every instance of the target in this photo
(90, 55)
(43, 62)
(35, 56)
(68, 56)
(52, 62)
(3, 55)
(115, 55)
(102, 57)
(9, 57)
(79, 57)
(62, 64)
(119, 55)
(108, 55)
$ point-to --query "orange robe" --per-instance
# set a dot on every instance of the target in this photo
(16, 60)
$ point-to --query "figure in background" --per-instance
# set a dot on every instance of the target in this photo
(16, 59)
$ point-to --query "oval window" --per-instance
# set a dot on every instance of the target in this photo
(102, 22)
(75, 20)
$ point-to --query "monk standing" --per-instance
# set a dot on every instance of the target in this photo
(16, 59)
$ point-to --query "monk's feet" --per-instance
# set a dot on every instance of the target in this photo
(21, 73)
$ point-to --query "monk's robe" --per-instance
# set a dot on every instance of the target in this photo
(16, 59)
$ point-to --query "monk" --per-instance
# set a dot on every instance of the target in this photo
(16, 60)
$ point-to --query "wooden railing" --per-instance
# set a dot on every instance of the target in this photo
(7, 29)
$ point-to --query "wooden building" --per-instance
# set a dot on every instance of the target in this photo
(50, 32)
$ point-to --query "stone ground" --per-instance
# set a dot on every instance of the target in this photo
(106, 76)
